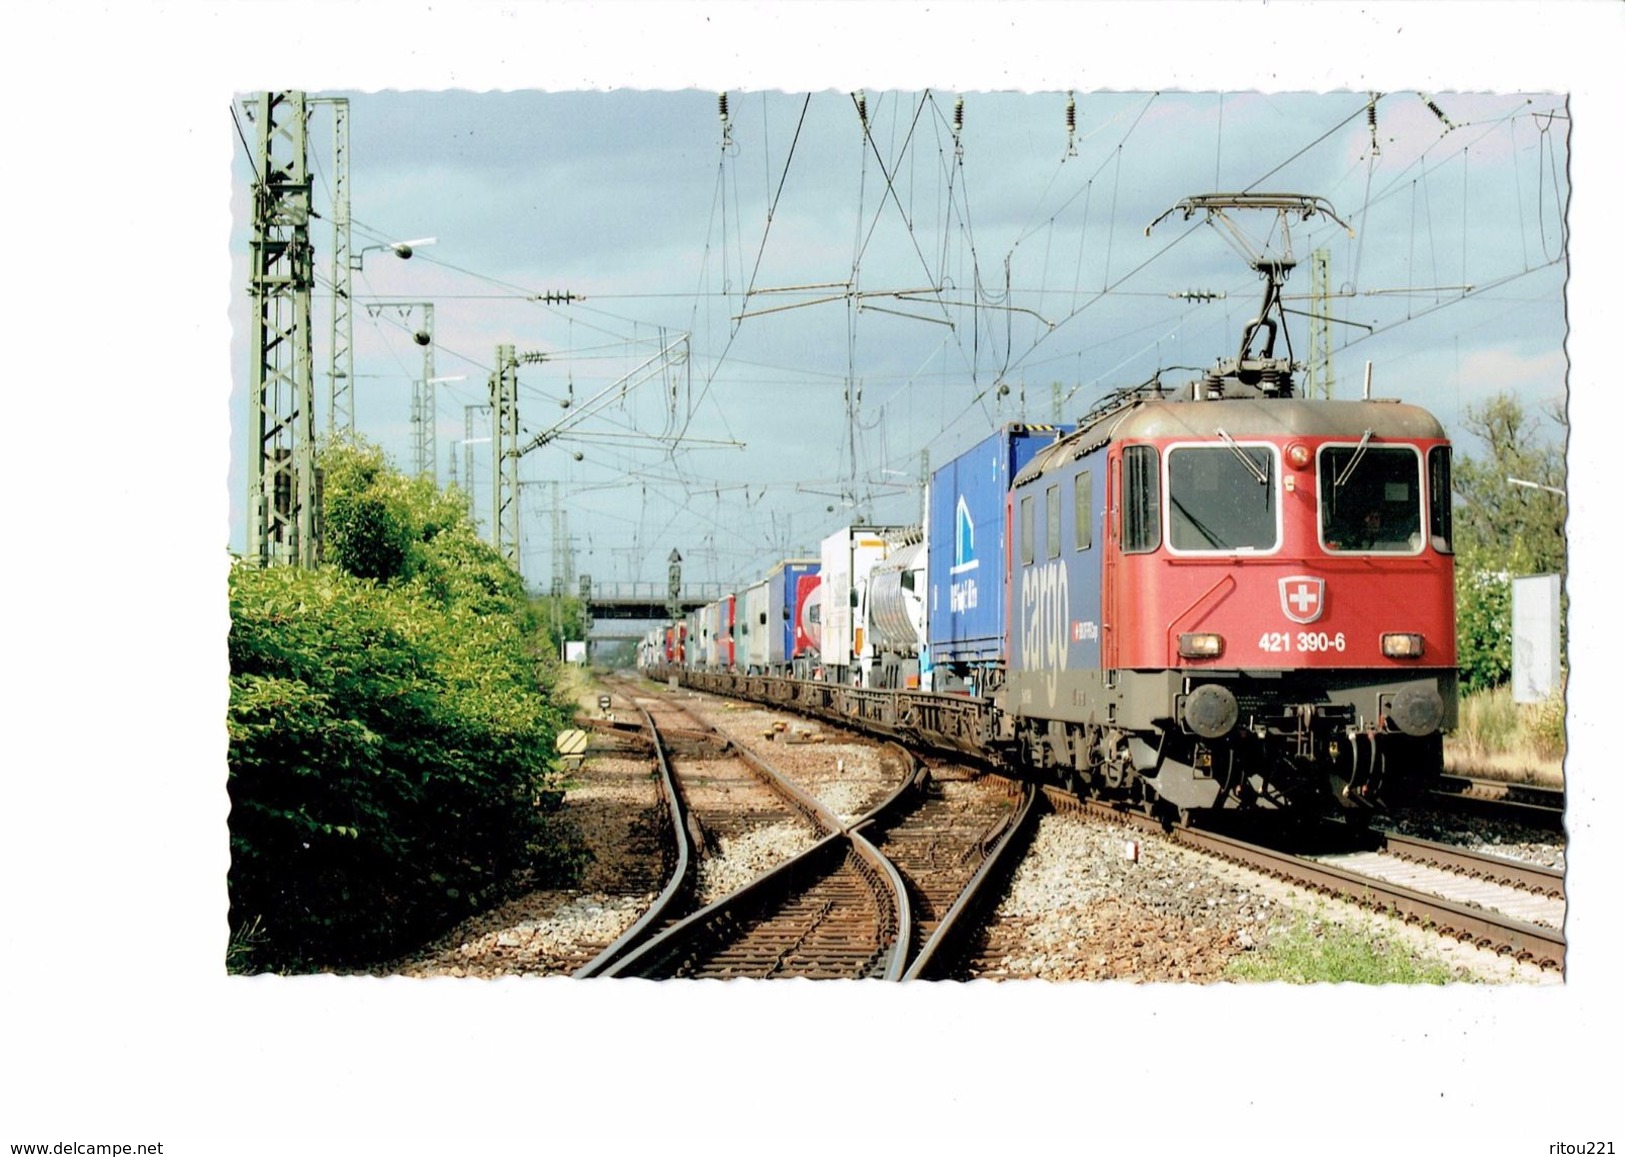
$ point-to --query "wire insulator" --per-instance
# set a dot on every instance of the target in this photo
(1436, 111)
(959, 114)
(1071, 114)
(722, 115)
(863, 109)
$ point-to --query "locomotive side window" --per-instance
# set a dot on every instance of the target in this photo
(1439, 498)
(1027, 529)
(1370, 498)
(1052, 522)
(1142, 500)
(1222, 498)
(1082, 512)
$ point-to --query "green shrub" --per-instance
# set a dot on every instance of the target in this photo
(1483, 624)
(389, 735)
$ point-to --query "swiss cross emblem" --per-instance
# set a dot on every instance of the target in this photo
(1303, 598)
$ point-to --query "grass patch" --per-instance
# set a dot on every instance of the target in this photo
(1497, 738)
(1314, 951)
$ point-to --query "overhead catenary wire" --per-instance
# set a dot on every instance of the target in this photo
(1035, 345)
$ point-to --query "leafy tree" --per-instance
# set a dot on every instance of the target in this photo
(1504, 518)
(375, 519)
(1502, 530)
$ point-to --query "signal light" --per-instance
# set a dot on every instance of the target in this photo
(1402, 646)
(1201, 646)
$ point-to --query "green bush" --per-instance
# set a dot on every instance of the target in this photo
(389, 736)
(1483, 623)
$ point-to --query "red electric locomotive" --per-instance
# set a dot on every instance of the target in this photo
(1230, 596)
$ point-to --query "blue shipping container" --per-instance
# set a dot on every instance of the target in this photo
(784, 585)
(965, 612)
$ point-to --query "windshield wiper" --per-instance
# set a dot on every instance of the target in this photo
(1257, 471)
(1359, 453)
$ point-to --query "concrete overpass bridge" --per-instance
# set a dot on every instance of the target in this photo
(648, 601)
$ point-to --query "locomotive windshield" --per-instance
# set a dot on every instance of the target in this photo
(1222, 498)
(1370, 498)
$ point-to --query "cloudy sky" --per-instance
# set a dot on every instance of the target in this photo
(859, 285)
(125, 227)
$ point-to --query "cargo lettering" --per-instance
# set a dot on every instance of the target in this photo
(962, 597)
(1045, 623)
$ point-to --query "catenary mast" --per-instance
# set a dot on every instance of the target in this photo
(282, 525)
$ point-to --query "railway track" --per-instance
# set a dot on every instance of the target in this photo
(1460, 911)
(881, 897)
(722, 795)
(1538, 807)
(890, 893)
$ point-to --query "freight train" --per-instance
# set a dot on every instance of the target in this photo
(1223, 595)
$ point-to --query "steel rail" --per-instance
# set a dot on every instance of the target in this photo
(948, 940)
(1530, 803)
(1535, 878)
(682, 873)
(1485, 929)
(666, 953)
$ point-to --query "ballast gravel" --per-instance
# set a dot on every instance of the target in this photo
(1099, 901)
(845, 774)
(1091, 901)
(1503, 838)
(737, 860)
(610, 810)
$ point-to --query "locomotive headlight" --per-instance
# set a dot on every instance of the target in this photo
(1402, 646)
(1206, 646)
(1297, 455)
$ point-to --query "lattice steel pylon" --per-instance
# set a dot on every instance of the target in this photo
(1321, 381)
(282, 515)
(468, 454)
(340, 363)
(505, 456)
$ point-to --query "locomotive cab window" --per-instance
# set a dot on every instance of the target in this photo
(1223, 497)
(1141, 499)
(1371, 498)
(1439, 499)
